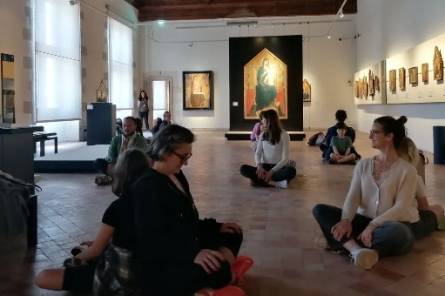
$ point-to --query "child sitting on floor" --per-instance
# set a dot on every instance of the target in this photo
(341, 147)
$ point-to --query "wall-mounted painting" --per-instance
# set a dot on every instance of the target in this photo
(438, 64)
(265, 85)
(371, 85)
(413, 75)
(198, 90)
(402, 79)
(306, 91)
(425, 72)
(392, 81)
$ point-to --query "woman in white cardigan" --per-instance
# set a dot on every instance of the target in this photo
(271, 155)
(379, 216)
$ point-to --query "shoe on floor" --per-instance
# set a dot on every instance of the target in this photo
(365, 258)
(281, 184)
(103, 180)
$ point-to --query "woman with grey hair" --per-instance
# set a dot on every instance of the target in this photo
(177, 253)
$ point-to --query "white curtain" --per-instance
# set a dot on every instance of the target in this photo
(121, 64)
(58, 83)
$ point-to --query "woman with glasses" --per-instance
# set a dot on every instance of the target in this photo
(177, 253)
(379, 216)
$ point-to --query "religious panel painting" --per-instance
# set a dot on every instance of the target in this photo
(413, 74)
(425, 72)
(306, 91)
(402, 79)
(392, 81)
(371, 78)
(198, 90)
(265, 85)
(438, 64)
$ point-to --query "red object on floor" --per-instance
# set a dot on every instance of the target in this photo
(241, 265)
(230, 291)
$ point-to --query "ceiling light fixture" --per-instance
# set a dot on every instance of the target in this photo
(340, 10)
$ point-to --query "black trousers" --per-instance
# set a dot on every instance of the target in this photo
(101, 165)
(184, 279)
(144, 117)
(390, 239)
(285, 173)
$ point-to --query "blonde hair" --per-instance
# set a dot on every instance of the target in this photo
(408, 151)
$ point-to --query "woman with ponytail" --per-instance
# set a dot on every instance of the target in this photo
(379, 216)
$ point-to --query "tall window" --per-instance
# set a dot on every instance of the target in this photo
(161, 91)
(57, 51)
(121, 65)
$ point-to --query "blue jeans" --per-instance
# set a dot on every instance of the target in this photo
(390, 239)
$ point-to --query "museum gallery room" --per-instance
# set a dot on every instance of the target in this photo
(309, 135)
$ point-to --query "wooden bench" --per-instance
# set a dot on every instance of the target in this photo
(42, 137)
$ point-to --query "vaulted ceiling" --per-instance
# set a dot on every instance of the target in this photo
(150, 10)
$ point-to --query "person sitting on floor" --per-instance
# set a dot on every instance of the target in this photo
(255, 135)
(410, 153)
(129, 139)
(116, 234)
(325, 147)
(271, 155)
(177, 253)
(341, 147)
(379, 216)
(156, 125)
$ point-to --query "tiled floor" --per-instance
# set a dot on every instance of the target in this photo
(280, 233)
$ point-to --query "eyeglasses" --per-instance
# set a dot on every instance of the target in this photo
(183, 158)
(375, 132)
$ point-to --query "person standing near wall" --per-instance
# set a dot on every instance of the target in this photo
(143, 108)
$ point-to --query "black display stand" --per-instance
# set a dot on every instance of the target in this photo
(101, 123)
(439, 144)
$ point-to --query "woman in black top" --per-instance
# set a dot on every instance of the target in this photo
(177, 253)
(117, 231)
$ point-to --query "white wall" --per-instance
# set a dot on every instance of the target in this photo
(15, 39)
(327, 64)
(388, 28)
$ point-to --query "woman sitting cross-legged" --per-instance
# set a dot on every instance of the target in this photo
(116, 236)
(271, 155)
(432, 215)
(379, 216)
(177, 253)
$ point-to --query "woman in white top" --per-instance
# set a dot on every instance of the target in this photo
(271, 155)
(379, 216)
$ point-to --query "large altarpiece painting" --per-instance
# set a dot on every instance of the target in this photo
(265, 85)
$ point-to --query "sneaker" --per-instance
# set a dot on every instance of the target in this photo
(281, 184)
(365, 258)
(103, 180)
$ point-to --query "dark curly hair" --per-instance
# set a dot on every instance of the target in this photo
(168, 139)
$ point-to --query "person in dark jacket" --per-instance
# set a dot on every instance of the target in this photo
(340, 116)
(177, 253)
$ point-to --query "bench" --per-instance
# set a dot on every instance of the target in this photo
(42, 137)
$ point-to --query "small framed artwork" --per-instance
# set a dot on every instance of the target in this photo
(392, 81)
(306, 91)
(197, 90)
(402, 79)
(413, 74)
(425, 72)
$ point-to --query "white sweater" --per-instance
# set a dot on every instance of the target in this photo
(394, 200)
(277, 154)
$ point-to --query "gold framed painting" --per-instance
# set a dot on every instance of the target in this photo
(425, 73)
(392, 80)
(438, 64)
(413, 75)
(265, 85)
(197, 90)
(307, 89)
(402, 78)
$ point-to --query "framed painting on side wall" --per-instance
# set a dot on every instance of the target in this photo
(413, 73)
(197, 90)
